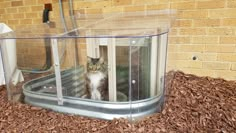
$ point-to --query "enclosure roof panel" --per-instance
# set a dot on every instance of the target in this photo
(128, 24)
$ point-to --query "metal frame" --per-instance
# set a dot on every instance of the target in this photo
(87, 107)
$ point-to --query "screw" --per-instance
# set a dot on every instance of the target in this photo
(194, 58)
(133, 81)
(133, 42)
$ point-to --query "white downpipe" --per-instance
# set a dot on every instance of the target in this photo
(8, 48)
(2, 77)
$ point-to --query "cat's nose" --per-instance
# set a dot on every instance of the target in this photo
(94, 68)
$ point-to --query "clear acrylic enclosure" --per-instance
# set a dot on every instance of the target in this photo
(105, 66)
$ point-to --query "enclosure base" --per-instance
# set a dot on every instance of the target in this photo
(102, 110)
(86, 107)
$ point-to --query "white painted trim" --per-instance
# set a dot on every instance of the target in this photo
(162, 49)
(92, 46)
(57, 71)
(112, 69)
(153, 76)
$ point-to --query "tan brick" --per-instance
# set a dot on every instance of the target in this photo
(36, 51)
(7, 16)
(229, 75)
(199, 72)
(158, 7)
(179, 56)
(2, 11)
(192, 31)
(11, 10)
(205, 40)
(222, 13)
(44, 1)
(211, 48)
(37, 8)
(121, 2)
(171, 63)
(220, 48)
(191, 48)
(32, 15)
(182, 23)
(80, 11)
(112, 9)
(233, 67)
(173, 32)
(81, 5)
(13, 22)
(231, 3)
(208, 56)
(162, 1)
(143, 2)
(187, 64)
(216, 65)
(101, 4)
(179, 40)
(93, 11)
(26, 21)
(227, 48)
(206, 22)
(82, 46)
(209, 4)
(19, 16)
(37, 21)
(5, 4)
(226, 57)
(227, 40)
(30, 2)
(220, 31)
(179, 1)
(229, 22)
(24, 9)
(189, 56)
(172, 48)
(195, 14)
(183, 5)
(134, 8)
(17, 3)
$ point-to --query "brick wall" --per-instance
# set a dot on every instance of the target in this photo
(205, 29)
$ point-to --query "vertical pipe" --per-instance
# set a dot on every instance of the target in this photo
(73, 20)
(62, 15)
(6, 69)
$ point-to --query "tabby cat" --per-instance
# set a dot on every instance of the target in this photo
(96, 79)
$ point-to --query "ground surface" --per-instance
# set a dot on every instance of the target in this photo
(194, 104)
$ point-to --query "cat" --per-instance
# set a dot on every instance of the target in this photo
(96, 79)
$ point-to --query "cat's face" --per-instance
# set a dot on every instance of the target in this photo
(96, 78)
(95, 64)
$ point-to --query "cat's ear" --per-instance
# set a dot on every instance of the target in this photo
(89, 59)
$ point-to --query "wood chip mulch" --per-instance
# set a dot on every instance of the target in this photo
(194, 104)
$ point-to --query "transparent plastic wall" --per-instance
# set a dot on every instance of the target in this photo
(33, 62)
(111, 66)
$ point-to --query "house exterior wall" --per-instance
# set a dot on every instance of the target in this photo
(205, 29)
